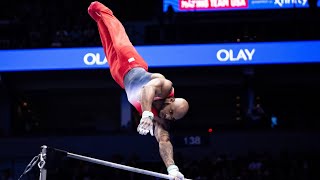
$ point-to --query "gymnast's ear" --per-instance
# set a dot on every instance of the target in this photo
(169, 100)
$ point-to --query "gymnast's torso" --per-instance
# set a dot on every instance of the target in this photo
(134, 81)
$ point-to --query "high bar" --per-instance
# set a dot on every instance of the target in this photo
(119, 166)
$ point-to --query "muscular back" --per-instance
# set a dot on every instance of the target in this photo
(161, 85)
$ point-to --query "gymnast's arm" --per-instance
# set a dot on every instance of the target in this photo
(158, 86)
(163, 138)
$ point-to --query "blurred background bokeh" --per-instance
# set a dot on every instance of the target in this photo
(248, 122)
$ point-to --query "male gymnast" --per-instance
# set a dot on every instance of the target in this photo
(150, 93)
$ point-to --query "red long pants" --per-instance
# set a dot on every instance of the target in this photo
(121, 54)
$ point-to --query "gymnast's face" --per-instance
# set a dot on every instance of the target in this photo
(174, 109)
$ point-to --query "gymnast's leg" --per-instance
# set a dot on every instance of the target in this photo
(112, 32)
(117, 46)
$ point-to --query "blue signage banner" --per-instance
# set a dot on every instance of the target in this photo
(227, 5)
(165, 56)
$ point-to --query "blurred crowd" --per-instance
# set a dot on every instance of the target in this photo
(254, 166)
(46, 24)
(43, 24)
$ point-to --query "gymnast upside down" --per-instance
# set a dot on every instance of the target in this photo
(150, 93)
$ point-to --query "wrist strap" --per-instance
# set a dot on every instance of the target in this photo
(147, 114)
(172, 167)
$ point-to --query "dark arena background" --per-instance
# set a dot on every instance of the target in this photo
(250, 70)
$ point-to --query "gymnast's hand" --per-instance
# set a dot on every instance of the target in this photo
(146, 124)
(173, 170)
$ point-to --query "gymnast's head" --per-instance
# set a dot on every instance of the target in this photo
(174, 108)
